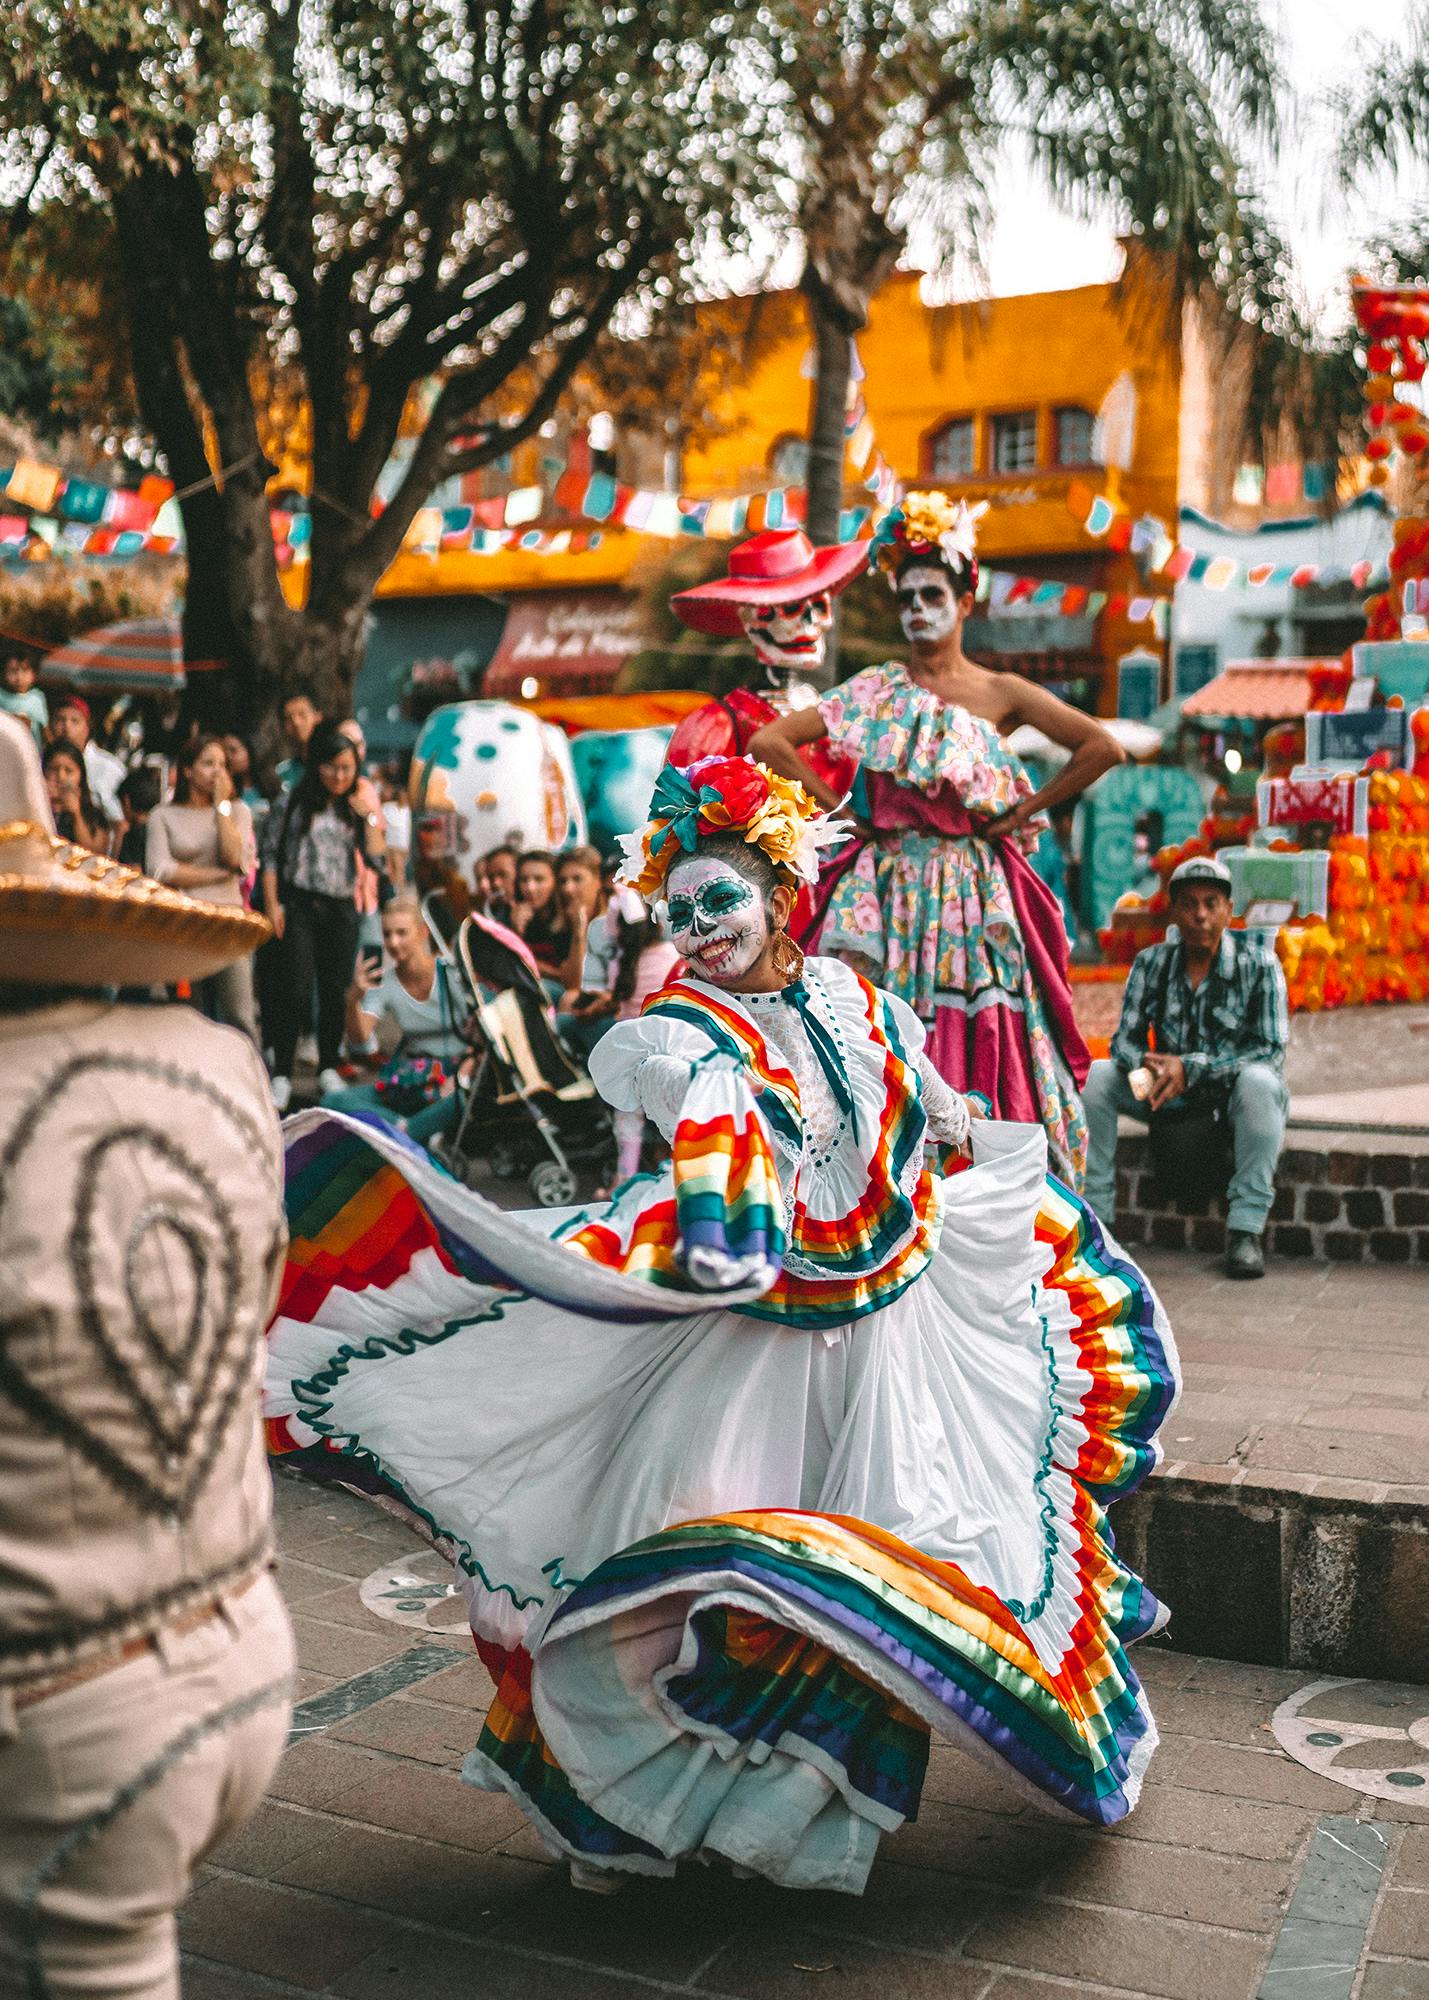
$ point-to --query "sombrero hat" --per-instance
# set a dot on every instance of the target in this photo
(72, 918)
(781, 566)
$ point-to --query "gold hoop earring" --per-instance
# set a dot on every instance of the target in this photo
(786, 958)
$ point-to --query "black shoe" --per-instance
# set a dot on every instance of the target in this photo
(1245, 1255)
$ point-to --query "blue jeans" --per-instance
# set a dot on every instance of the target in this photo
(1259, 1105)
(423, 1125)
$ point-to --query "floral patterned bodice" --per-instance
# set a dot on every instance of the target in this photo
(890, 724)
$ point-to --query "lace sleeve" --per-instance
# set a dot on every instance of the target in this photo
(661, 1083)
(949, 1120)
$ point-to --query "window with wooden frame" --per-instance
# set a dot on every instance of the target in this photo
(1073, 432)
(952, 449)
(1014, 441)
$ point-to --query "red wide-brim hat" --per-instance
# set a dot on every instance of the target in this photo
(781, 566)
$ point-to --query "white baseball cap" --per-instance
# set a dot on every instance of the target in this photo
(1202, 868)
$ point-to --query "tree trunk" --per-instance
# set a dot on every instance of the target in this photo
(833, 367)
(217, 697)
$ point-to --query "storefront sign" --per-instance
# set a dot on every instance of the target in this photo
(566, 642)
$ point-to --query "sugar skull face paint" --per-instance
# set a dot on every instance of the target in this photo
(789, 638)
(927, 608)
(718, 922)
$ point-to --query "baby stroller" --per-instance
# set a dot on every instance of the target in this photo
(526, 1107)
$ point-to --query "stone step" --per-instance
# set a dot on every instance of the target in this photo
(1289, 1523)
(1344, 1195)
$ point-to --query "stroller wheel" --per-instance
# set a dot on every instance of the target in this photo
(504, 1161)
(553, 1185)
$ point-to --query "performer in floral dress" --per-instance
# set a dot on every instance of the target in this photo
(938, 900)
(788, 1456)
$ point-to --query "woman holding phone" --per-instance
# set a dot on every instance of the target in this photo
(411, 1003)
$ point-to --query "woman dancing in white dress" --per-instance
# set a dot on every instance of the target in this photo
(791, 1454)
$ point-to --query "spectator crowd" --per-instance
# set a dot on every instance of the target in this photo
(355, 1001)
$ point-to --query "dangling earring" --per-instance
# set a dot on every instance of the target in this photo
(786, 958)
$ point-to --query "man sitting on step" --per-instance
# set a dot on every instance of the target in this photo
(1203, 1027)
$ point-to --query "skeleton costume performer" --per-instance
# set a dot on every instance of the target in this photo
(793, 1453)
(778, 593)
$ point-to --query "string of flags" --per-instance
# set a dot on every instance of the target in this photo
(1147, 537)
(71, 516)
(84, 517)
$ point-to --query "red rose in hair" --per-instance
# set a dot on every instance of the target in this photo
(741, 785)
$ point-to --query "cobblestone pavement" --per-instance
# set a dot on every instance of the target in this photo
(373, 1873)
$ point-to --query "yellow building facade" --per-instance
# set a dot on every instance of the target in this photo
(1009, 401)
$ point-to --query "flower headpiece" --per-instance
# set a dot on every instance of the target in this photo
(944, 527)
(723, 795)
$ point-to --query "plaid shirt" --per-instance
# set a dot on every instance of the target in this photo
(1237, 1015)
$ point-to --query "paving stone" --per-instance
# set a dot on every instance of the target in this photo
(655, 1929)
(447, 1887)
(961, 1781)
(1206, 1443)
(1268, 1684)
(300, 1582)
(1387, 1420)
(1411, 1867)
(1161, 1667)
(982, 1846)
(1385, 1980)
(307, 1684)
(423, 1968)
(405, 1727)
(341, 1652)
(904, 1908)
(465, 1685)
(1228, 1890)
(1215, 1718)
(1267, 1774)
(415, 1799)
(340, 1604)
(357, 1555)
(313, 1774)
(783, 1962)
(1404, 1460)
(1169, 1814)
(1027, 1986)
(275, 1834)
(1179, 1961)
(1312, 1961)
(203, 1980)
(306, 1940)
(1401, 1928)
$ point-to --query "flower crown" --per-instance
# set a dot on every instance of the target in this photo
(946, 528)
(722, 795)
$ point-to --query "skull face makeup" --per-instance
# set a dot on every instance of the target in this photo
(927, 607)
(718, 921)
(788, 638)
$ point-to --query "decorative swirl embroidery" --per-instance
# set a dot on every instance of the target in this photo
(166, 1315)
